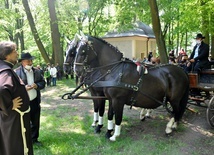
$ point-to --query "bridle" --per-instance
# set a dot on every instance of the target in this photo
(85, 63)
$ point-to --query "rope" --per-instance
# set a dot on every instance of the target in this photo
(23, 129)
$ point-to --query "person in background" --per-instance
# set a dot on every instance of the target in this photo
(198, 59)
(47, 76)
(181, 54)
(15, 132)
(150, 56)
(39, 67)
(34, 82)
(172, 57)
(53, 72)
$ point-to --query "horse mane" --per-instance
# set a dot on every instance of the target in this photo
(110, 45)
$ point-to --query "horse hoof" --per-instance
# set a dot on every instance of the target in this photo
(169, 134)
(113, 138)
(98, 129)
(108, 134)
(175, 126)
(148, 116)
(93, 125)
(143, 119)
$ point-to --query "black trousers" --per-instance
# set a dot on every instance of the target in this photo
(198, 66)
(194, 67)
(48, 80)
(35, 111)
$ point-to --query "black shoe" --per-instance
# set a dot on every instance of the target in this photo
(36, 142)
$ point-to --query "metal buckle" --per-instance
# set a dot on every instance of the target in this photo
(135, 88)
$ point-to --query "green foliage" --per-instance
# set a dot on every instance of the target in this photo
(97, 17)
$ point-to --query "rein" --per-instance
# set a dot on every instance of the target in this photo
(72, 95)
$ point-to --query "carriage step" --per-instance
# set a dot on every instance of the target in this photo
(196, 99)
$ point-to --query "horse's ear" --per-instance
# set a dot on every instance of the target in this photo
(68, 41)
(84, 38)
(77, 35)
(74, 42)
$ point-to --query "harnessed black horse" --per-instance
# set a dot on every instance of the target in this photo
(122, 84)
(99, 104)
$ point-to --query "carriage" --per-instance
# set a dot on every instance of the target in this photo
(203, 82)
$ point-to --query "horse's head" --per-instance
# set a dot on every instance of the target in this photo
(86, 56)
(70, 54)
(94, 52)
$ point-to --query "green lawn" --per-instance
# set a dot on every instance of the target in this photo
(66, 130)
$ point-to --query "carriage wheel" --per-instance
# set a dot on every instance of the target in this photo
(210, 112)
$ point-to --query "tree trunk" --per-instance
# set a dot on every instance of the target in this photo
(55, 35)
(186, 40)
(157, 31)
(205, 22)
(212, 34)
(212, 47)
(34, 31)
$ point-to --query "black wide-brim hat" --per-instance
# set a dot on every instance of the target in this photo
(199, 35)
(26, 56)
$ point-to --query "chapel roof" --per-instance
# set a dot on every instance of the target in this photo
(139, 29)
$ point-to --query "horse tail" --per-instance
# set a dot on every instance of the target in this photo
(183, 102)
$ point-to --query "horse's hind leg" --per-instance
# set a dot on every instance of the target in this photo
(169, 126)
(178, 107)
(142, 114)
(145, 113)
(173, 123)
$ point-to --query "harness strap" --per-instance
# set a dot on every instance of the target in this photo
(23, 129)
(134, 94)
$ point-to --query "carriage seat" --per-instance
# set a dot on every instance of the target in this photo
(206, 76)
(208, 71)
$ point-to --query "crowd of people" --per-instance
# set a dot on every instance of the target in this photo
(51, 73)
(197, 61)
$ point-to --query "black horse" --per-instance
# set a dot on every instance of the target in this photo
(122, 83)
(99, 105)
(69, 58)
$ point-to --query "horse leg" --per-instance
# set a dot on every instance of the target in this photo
(101, 108)
(142, 114)
(178, 107)
(110, 121)
(148, 112)
(95, 114)
(169, 126)
(118, 105)
(145, 113)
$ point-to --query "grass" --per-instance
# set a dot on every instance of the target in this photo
(66, 130)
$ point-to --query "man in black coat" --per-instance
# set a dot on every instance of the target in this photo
(15, 135)
(34, 82)
(198, 59)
